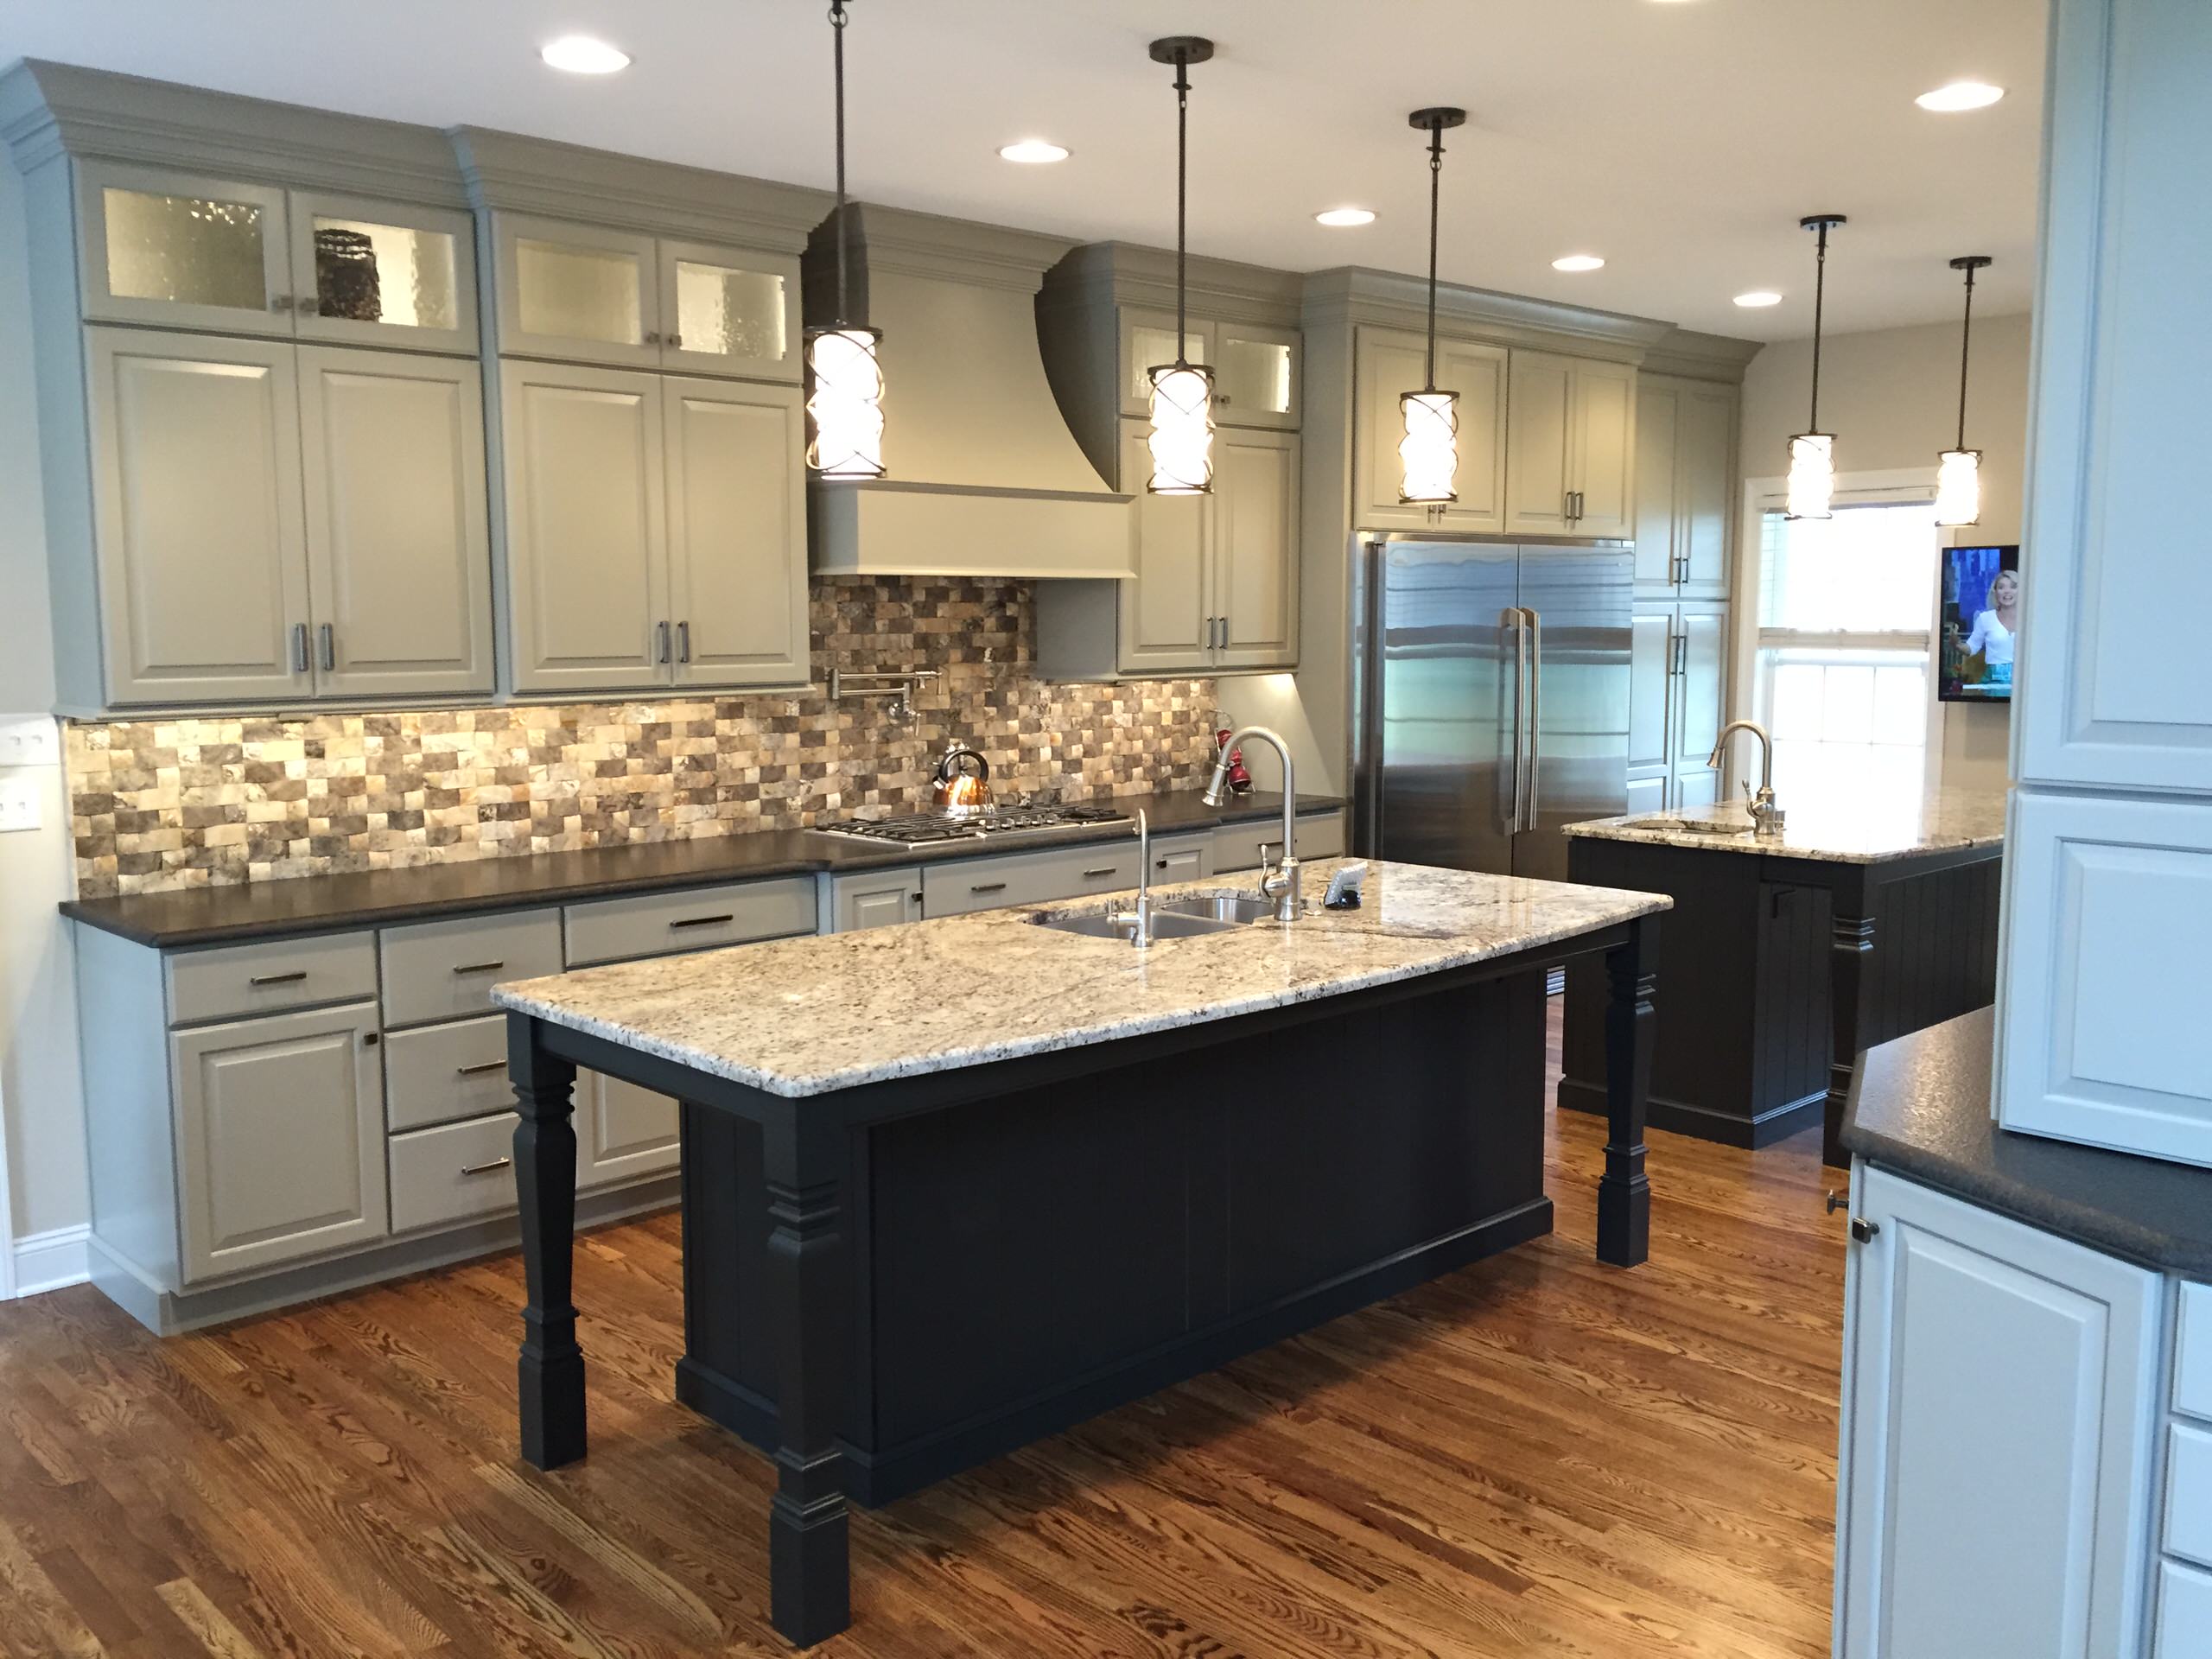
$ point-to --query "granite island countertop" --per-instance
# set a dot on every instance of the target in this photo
(805, 1016)
(1920, 1108)
(320, 904)
(1843, 832)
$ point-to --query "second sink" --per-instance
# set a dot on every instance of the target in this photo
(1228, 907)
(1123, 924)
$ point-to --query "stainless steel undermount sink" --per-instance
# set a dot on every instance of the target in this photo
(1222, 907)
(1123, 925)
(1697, 826)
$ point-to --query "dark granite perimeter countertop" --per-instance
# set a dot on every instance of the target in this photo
(317, 904)
(1920, 1108)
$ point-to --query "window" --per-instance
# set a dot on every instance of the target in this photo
(1842, 677)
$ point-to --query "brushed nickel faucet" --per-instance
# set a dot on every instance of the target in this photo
(1143, 935)
(1766, 817)
(1280, 883)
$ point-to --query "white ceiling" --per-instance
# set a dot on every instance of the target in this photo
(1681, 140)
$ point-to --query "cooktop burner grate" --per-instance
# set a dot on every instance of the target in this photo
(923, 828)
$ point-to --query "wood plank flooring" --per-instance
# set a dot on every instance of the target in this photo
(1537, 1455)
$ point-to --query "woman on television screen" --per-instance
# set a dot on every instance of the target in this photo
(1992, 640)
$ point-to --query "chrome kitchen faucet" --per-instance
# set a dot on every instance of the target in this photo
(1280, 884)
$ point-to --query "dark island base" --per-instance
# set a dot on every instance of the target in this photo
(1026, 1261)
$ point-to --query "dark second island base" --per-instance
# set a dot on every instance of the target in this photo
(1780, 971)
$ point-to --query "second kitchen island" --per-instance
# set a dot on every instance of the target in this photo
(949, 1187)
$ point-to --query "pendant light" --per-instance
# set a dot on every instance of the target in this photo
(844, 406)
(1430, 448)
(1958, 474)
(1812, 452)
(1182, 392)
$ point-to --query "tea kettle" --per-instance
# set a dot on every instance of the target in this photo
(958, 789)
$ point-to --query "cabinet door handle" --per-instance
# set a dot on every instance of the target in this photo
(485, 1168)
(328, 634)
(293, 978)
(703, 921)
(1107, 869)
(1682, 655)
(299, 647)
(480, 967)
(988, 887)
(675, 342)
(1862, 1231)
(280, 303)
(683, 642)
(652, 336)
(480, 1067)
(660, 648)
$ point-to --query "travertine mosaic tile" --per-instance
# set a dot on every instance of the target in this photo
(178, 803)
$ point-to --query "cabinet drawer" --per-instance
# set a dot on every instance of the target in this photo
(2185, 1613)
(661, 924)
(444, 970)
(262, 978)
(1028, 877)
(1182, 858)
(2193, 1352)
(453, 1173)
(440, 1074)
(1236, 846)
(2188, 1492)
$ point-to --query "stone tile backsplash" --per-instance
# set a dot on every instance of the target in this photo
(177, 803)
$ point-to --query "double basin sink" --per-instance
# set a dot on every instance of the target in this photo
(1171, 918)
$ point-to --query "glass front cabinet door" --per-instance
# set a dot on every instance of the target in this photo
(371, 273)
(1256, 375)
(729, 313)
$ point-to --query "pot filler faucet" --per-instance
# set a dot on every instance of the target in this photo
(1766, 817)
(1280, 884)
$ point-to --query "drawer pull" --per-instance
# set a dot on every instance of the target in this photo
(988, 887)
(485, 1169)
(704, 921)
(479, 1067)
(480, 968)
(1105, 870)
(292, 978)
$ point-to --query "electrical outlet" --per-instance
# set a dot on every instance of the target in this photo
(29, 740)
(19, 804)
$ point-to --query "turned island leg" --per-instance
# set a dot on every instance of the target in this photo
(810, 1308)
(550, 1371)
(1853, 937)
(1624, 1193)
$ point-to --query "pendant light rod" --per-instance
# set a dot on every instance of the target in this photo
(837, 34)
(1822, 224)
(1969, 263)
(1434, 121)
(1182, 51)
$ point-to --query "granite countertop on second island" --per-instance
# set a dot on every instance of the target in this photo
(805, 1016)
(323, 904)
(1920, 1108)
(1844, 831)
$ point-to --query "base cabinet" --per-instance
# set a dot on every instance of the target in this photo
(1999, 1395)
(622, 1131)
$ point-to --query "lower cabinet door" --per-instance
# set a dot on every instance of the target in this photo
(623, 1132)
(280, 1137)
(1993, 1478)
(884, 900)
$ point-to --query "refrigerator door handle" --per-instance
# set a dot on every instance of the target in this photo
(1518, 620)
(1536, 708)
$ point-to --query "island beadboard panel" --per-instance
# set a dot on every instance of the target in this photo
(177, 803)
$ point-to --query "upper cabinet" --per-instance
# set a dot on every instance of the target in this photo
(1685, 475)
(1256, 366)
(1570, 447)
(1392, 362)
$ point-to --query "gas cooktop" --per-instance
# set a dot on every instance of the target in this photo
(926, 829)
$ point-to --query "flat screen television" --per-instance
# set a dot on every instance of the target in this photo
(1981, 614)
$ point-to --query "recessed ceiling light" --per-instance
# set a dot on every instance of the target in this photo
(580, 55)
(1960, 95)
(1759, 297)
(1034, 151)
(1578, 261)
(1341, 216)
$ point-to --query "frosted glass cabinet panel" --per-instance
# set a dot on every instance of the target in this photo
(368, 271)
(732, 313)
(1147, 340)
(184, 252)
(576, 292)
(1256, 376)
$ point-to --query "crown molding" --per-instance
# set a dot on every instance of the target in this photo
(892, 241)
(1694, 356)
(1357, 294)
(1131, 273)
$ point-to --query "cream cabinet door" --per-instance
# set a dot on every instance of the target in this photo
(1650, 681)
(1700, 685)
(399, 557)
(280, 1138)
(579, 293)
(1148, 339)
(380, 273)
(736, 532)
(197, 516)
(1254, 547)
(1539, 444)
(1706, 471)
(1391, 363)
(1256, 371)
(1658, 419)
(1166, 616)
(182, 252)
(1602, 472)
(729, 312)
(587, 542)
(623, 1132)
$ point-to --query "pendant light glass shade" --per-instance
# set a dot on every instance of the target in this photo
(1429, 451)
(1811, 475)
(1958, 471)
(1430, 448)
(1182, 429)
(844, 404)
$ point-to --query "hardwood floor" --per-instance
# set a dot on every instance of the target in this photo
(1537, 1455)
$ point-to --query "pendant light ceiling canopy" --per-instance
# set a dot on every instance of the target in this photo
(844, 404)
(1958, 472)
(1430, 448)
(1812, 452)
(1182, 392)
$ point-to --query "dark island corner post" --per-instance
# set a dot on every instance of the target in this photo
(549, 1372)
(1624, 1192)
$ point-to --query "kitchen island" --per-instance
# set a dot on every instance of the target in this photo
(951, 1186)
(1861, 921)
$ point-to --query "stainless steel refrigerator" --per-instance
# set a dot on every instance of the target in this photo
(1490, 697)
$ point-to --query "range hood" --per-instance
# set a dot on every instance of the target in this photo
(983, 476)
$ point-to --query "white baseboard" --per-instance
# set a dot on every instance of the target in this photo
(51, 1260)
